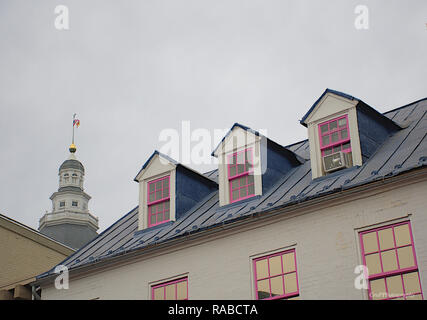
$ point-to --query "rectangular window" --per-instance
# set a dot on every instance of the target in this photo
(389, 255)
(240, 175)
(276, 276)
(334, 136)
(62, 204)
(158, 201)
(172, 290)
(74, 203)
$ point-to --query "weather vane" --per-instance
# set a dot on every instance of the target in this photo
(76, 123)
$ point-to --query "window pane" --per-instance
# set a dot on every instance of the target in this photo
(235, 194)
(263, 289)
(151, 197)
(386, 239)
(370, 243)
(243, 192)
(344, 134)
(394, 286)
(332, 125)
(406, 257)
(275, 265)
(159, 217)
(325, 140)
(166, 183)
(158, 293)
(389, 260)
(158, 194)
(324, 128)
(240, 168)
(165, 193)
(151, 187)
(248, 156)
(232, 171)
(373, 263)
(342, 122)
(240, 158)
(158, 185)
(166, 214)
(243, 181)
(378, 289)
(288, 262)
(234, 184)
(251, 190)
(277, 286)
(261, 269)
(335, 137)
(327, 151)
(412, 283)
(402, 235)
(170, 292)
(336, 149)
(250, 179)
(290, 283)
(346, 146)
(153, 219)
(181, 289)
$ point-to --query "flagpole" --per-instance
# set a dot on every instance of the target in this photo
(74, 117)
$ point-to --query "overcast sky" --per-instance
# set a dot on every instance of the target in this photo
(132, 68)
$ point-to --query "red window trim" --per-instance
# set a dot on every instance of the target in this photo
(156, 201)
(165, 284)
(239, 175)
(329, 132)
(398, 271)
(267, 257)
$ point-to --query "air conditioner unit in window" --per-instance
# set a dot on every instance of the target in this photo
(336, 161)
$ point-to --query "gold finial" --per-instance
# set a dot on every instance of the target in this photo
(72, 148)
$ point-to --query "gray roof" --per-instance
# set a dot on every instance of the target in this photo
(404, 151)
(72, 164)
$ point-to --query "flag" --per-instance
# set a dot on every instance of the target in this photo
(76, 122)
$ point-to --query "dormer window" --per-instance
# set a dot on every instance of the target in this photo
(343, 132)
(165, 194)
(240, 175)
(158, 201)
(249, 164)
(334, 136)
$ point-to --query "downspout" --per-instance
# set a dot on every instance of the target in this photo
(35, 296)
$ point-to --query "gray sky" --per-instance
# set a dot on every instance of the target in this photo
(132, 68)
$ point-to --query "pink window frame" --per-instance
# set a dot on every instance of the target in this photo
(156, 201)
(286, 295)
(329, 132)
(239, 175)
(165, 284)
(398, 271)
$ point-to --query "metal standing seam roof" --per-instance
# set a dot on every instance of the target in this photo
(404, 151)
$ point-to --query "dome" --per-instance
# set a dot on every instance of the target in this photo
(72, 164)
